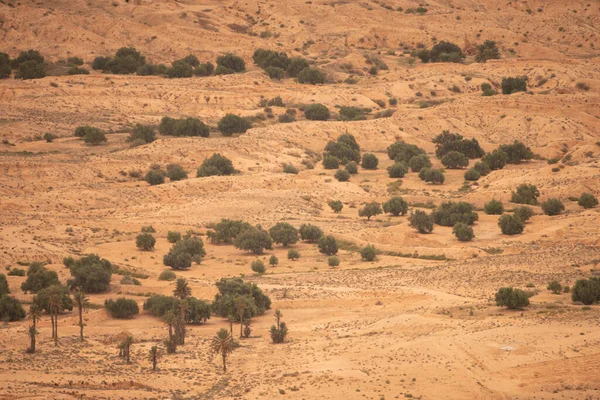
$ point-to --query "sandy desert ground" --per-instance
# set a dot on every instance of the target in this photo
(397, 327)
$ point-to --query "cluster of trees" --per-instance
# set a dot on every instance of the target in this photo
(441, 52)
(185, 251)
(183, 127)
(278, 65)
(512, 85)
(28, 65)
(90, 135)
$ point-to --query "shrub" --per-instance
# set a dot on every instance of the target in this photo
(155, 177)
(555, 287)
(183, 127)
(330, 162)
(422, 222)
(446, 52)
(510, 224)
(450, 213)
(258, 266)
(150, 69)
(230, 288)
(553, 207)
(397, 170)
(352, 167)
(10, 309)
(333, 261)
(175, 172)
(369, 161)
(167, 276)
(284, 233)
(183, 252)
(487, 51)
(368, 253)
(216, 165)
(525, 194)
(493, 207)
(417, 163)
(327, 245)
(145, 241)
(49, 137)
(3, 285)
(205, 69)
(587, 200)
(511, 298)
(516, 152)
(523, 213)
(514, 84)
(38, 278)
(122, 308)
(342, 175)
(31, 69)
(231, 62)
(5, 67)
(352, 113)
(317, 112)
(293, 254)
(395, 206)
(482, 168)
(227, 230)
(336, 206)
(180, 69)
(231, 123)
(432, 175)
(297, 65)
(447, 142)
(94, 137)
(90, 274)
(141, 132)
(455, 160)
(401, 151)
(586, 291)
(472, 175)
(16, 272)
(345, 149)
(254, 240)
(77, 71)
(290, 169)
(310, 233)
(463, 232)
(311, 76)
(370, 210)
(275, 72)
(286, 118)
(273, 261)
(495, 160)
(24, 56)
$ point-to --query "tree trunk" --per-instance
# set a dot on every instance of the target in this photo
(33, 336)
(81, 324)
(56, 329)
(52, 319)
(154, 362)
(127, 354)
(224, 363)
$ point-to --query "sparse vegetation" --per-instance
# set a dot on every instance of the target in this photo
(512, 298)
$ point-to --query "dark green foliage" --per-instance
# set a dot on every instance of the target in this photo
(328, 245)
(278, 335)
(512, 298)
(369, 161)
(122, 307)
(216, 165)
(275, 72)
(229, 289)
(38, 278)
(101, 63)
(258, 266)
(397, 170)
(417, 163)
(493, 207)
(472, 175)
(330, 162)
(284, 233)
(145, 241)
(401, 151)
(525, 194)
(342, 175)
(510, 224)
(555, 287)
(231, 123)
(127, 60)
(183, 252)
(514, 84)
(144, 133)
(516, 152)
(198, 311)
(159, 305)
(553, 207)
(286, 118)
(352, 167)
(482, 168)
(344, 149)
(77, 71)
(587, 200)
(16, 272)
(424, 55)
(523, 213)
(93, 136)
(432, 175)
(175, 172)
(368, 253)
(370, 210)
(447, 142)
(83, 130)
(317, 112)
(422, 222)
(24, 56)
(487, 51)
(487, 90)
(495, 160)
(173, 236)
(90, 274)
(42, 298)
(336, 206)
(311, 76)
(586, 291)
(310, 233)
(395, 206)
(166, 275)
(180, 69)
(273, 261)
(255, 240)
(155, 177)
(30, 70)
(450, 213)
(227, 231)
(10, 309)
(352, 113)
(268, 58)
(183, 127)
(151, 69)
(205, 69)
(455, 160)
(463, 232)
(333, 261)
(293, 254)
(297, 65)
(3, 285)
(231, 62)
(5, 67)
(290, 169)
(446, 52)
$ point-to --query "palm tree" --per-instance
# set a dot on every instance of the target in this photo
(34, 314)
(182, 289)
(231, 320)
(154, 356)
(55, 305)
(169, 319)
(179, 322)
(127, 346)
(222, 344)
(82, 303)
(241, 309)
(278, 316)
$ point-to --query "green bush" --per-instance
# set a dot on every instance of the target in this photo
(284, 233)
(183, 127)
(523, 213)
(297, 65)
(183, 252)
(495, 160)
(368, 253)
(16, 272)
(369, 161)
(90, 274)
(327, 245)
(155, 177)
(493, 207)
(127, 60)
(231, 62)
(269, 58)
(145, 241)
(446, 52)
(231, 123)
(516, 152)
(333, 261)
(3, 285)
(553, 207)
(432, 175)
(330, 162)
(230, 288)
(555, 287)
(514, 84)
(472, 175)
(352, 113)
(122, 308)
(525, 194)
(24, 56)
(370, 210)
(422, 222)
(167, 276)
(205, 69)
(180, 69)
(336, 206)
(510, 224)
(482, 168)
(273, 261)
(216, 165)
(397, 170)
(511, 298)
(10, 309)
(450, 213)
(144, 133)
(587, 200)
(173, 236)
(293, 254)
(254, 240)
(38, 278)
(310, 76)
(310, 233)
(403, 152)
(227, 231)
(175, 172)
(455, 160)
(417, 163)
(49, 137)
(275, 72)
(463, 232)
(586, 291)
(342, 175)
(286, 118)
(42, 298)
(345, 149)
(290, 169)
(94, 137)
(31, 69)
(258, 266)
(317, 112)
(5, 67)
(77, 71)
(487, 51)
(395, 206)
(352, 167)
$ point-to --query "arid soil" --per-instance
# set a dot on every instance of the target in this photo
(409, 326)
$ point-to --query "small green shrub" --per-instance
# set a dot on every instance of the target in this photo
(145, 241)
(122, 308)
(463, 232)
(217, 164)
(510, 224)
(317, 112)
(167, 276)
(293, 254)
(330, 162)
(553, 207)
(555, 287)
(418, 162)
(432, 175)
(258, 266)
(472, 175)
(395, 206)
(333, 261)
(512, 298)
(327, 245)
(514, 84)
(455, 160)
(273, 261)
(231, 123)
(525, 194)
(311, 76)
(370, 210)
(310, 233)
(587, 200)
(290, 169)
(369, 161)
(368, 253)
(493, 207)
(342, 175)
(422, 222)
(352, 167)
(523, 213)
(336, 206)
(155, 177)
